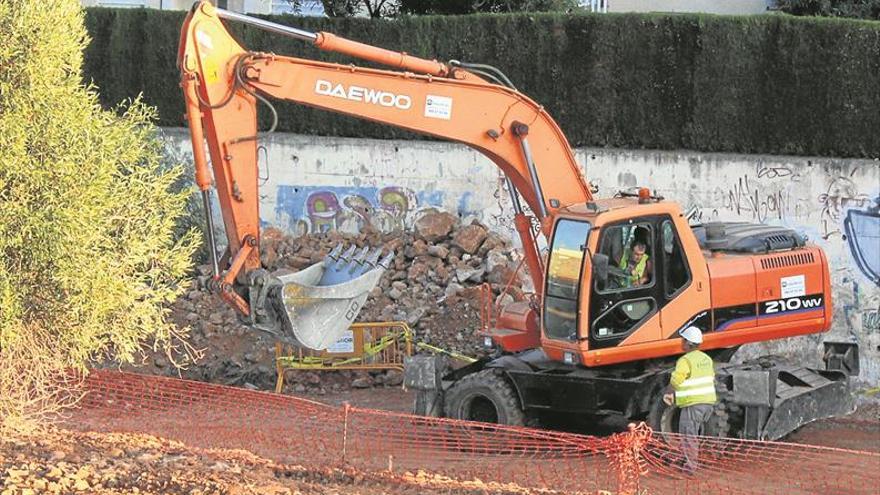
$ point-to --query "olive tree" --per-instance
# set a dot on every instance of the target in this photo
(89, 255)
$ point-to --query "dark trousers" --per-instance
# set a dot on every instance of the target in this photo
(689, 424)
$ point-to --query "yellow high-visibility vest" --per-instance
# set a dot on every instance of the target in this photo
(694, 379)
(639, 268)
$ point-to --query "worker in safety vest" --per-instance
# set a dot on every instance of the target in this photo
(693, 391)
(636, 265)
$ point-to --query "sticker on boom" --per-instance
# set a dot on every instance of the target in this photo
(791, 304)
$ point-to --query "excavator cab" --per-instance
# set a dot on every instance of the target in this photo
(621, 279)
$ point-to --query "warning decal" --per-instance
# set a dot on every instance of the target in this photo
(438, 107)
(792, 286)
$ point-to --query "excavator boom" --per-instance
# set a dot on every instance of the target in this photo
(223, 83)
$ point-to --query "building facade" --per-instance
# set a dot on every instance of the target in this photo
(306, 7)
(729, 7)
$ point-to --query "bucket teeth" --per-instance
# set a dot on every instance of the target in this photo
(386, 261)
(374, 258)
(367, 264)
(357, 264)
(333, 257)
(362, 255)
(344, 258)
(348, 253)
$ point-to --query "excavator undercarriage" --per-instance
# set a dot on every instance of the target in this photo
(763, 399)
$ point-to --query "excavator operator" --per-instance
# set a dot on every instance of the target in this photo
(635, 264)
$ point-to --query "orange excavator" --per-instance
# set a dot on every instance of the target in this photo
(623, 276)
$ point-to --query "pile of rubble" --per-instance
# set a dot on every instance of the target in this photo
(433, 284)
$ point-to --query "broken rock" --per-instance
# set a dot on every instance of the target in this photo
(362, 382)
(435, 226)
(466, 274)
(438, 251)
(470, 238)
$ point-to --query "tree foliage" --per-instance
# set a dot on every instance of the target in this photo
(392, 8)
(863, 9)
(454, 7)
(341, 8)
(351, 8)
(88, 254)
(742, 84)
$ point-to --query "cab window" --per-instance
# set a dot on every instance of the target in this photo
(621, 318)
(564, 279)
(675, 268)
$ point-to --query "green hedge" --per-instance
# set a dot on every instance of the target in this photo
(758, 84)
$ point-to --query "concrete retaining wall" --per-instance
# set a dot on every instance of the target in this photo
(314, 184)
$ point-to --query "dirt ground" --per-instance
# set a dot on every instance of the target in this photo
(66, 462)
(62, 462)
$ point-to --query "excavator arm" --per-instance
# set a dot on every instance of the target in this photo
(223, 82)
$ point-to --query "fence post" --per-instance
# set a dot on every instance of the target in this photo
(626, 451)
(345, 430)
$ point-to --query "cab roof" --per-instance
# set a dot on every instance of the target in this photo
(609, 204)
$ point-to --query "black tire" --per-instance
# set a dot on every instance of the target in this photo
(484, 396)
(664, 419)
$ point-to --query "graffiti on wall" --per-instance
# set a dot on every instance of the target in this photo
(842, 194)
(862, 234)
(772, 195)
(745, 198)
(313, 209)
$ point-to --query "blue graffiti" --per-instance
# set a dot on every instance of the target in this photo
(862, 229)
(315, 209)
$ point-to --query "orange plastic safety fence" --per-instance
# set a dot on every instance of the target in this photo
(298, 431)
(753, 467)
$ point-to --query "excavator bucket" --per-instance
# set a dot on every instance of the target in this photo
(323, 300)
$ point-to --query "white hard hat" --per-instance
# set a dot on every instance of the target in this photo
(692, 335)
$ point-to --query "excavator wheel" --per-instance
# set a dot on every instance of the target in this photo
(484, 396)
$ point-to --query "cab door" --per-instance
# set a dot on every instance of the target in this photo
(625, 306)
(685, 279)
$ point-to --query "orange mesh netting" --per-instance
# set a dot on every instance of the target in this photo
(291, 430)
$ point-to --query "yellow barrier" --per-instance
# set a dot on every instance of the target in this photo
(366, 346)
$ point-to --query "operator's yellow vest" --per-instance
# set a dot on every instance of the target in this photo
(639, 268)
(699, 387)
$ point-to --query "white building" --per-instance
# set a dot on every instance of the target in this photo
(730, 7)
(307, 7)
